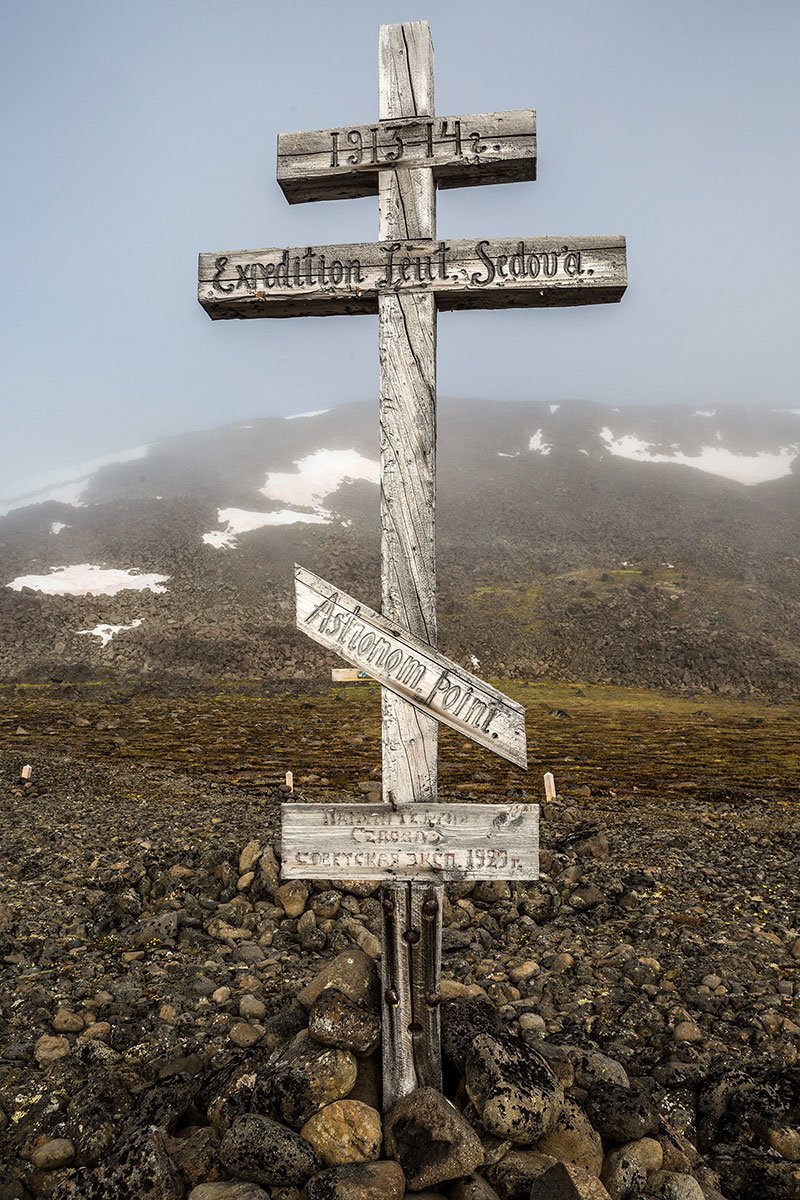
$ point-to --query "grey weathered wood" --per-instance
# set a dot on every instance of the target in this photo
(405, 70)
(399, 1070)
(461, 151)
(420, 843)
(426, 969)
(409, 667)
(518, 272)
(407, 352)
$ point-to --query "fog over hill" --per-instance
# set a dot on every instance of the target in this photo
(637, 545)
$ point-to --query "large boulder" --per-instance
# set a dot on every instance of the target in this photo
(261, 1150)
(516, 1094)
(430, 1139)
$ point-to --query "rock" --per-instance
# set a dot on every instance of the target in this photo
(282, 1026)
(623, 1174)
(139, 1167)
(336, 1021)
(292, 897)
(306, 1077)
(67, 1022)
(573, 1140)
(665, 1185)
(346, 1131)
(194, 1153)
(249, 857)
(244, 1035)
(53, 1154)
(621, 1114)
(50, 1049)
(260, 1150)
(251, 1008)
(462, 1020)
(430, 1139)
(516, 1094)
(563, 1182)
(474, 1187)
(360, 1181)
(590, 1067)
(353, 973)
(368, 1087)
(228, 1191)
(786, 1142)
(687, 1031)
(513, 1176)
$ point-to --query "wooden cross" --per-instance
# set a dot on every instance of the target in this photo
(409, 841)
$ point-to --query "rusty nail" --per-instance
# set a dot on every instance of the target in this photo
(411, 936)
(388, 904)
(430, 908)
(391, 997)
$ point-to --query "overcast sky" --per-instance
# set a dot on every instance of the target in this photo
(139, 132)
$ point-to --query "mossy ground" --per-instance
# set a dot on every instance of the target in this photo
(611, 738)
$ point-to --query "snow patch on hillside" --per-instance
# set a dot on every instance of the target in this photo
(107, 632)
(239, 520)
(315, 412)
(538, 444)
(57, 526)
(85, 579)
(750, 469)
(318, 475)
(67, 485)
(553, 408)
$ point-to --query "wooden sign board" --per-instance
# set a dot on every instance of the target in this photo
(410, 668)
(520, 272)
(420, 843)
(336, 164)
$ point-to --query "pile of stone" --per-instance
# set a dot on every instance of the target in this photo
(298, 1117)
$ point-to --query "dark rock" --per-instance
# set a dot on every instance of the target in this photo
(359, 1181)
(513, 1089)
(462, 1020)
(336, 1021)
(621, 1114)
(302, 1079)
(261, 1150)
(352, 972)
(139, 1169)
(474, 1187)
(567, 1182)
(513, 1176)
(430, 1139)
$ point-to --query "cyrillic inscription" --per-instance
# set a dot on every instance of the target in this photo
(423, 842)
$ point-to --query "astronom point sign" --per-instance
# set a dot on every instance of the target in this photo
(409, 841)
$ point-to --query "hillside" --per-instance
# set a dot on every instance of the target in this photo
(655, 547)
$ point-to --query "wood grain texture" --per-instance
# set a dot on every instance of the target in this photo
(420, 843)
(415, 673)
(407, 352)
(399, 1072)
(405, 70)
(460, 151)
(426, 972)
(518, 272)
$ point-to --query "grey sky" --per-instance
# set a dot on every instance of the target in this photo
(138, 133)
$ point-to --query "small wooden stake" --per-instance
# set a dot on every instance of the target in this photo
(26, 773)
(290, 781)
(549, 786)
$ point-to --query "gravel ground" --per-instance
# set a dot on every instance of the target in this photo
(143, 927)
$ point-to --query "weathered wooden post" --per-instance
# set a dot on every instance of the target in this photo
(409, 842)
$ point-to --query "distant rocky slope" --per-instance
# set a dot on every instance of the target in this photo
(638, 546)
